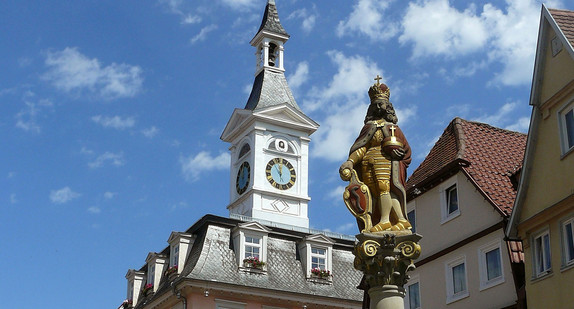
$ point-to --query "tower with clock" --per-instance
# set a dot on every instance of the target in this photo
(270, 138)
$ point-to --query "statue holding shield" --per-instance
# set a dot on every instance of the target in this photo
(377, 168)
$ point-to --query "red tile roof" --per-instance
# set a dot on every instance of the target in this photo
(489, 156)
(565, 20)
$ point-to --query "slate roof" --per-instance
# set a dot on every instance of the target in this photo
(270, 88)
(489, 156)
(212, 259)
(215, 261)
(565, 20)
(271, 21)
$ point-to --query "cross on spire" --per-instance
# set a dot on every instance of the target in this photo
(378, 78)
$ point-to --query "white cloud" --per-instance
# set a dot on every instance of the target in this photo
(193, 166)
(191, 19)
(337, 133)
(300, 76)
(13, 199)
(240, 4)
(336, 193)
(150, 132)
(202, 35)
(521, 125)
(307, 19)
(115, 122)
(436, 28)
(63, 195)
(350, 84)
(506, 36)
(94, 210)
(27, 118)
(71, 71)
(109, 195)
(367, 18)
(116, 159)
(347, 228)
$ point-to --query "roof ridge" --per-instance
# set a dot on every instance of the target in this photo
(459, 137)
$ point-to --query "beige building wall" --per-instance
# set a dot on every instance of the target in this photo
(559, 70)
(476, 215)
(433, 278)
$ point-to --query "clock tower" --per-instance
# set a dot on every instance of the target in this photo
(269, 138)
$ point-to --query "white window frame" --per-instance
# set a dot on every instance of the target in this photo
(565, 147)
(254, 230)
(567, 257)
(451, 296)
(258, 245)
(412, 281)
(485, 283)
(444, 189)
(319, 256)
(318, 241)
(151, 274)
(174, 255)
(226, 304)
(546, 256)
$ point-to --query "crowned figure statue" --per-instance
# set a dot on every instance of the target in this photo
(377, 168)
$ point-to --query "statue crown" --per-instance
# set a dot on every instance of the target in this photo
(379, 91)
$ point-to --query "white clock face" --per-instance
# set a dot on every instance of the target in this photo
(280, 173)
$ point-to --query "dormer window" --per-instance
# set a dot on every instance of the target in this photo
(135, 284)
(180, 245)
(156, 264)
(250, 245)
(316, 253)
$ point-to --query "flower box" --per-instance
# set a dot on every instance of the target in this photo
(253, 262)
(320, 273)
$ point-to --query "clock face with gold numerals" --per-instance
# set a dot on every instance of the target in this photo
(243, 175)
(280, 173)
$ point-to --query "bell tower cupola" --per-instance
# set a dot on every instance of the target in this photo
(269, 139)
(269, 41)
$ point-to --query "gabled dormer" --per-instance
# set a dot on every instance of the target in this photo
(316, 253)
(156, 264)
(250, 244)
(135, 284)
(180, 245)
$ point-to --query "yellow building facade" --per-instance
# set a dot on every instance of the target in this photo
(543, 215)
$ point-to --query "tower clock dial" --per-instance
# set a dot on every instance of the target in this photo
(280, 173)
(243, 176)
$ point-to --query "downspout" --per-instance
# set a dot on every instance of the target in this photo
(179, 296)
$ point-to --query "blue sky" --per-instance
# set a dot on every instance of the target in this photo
(111, 113)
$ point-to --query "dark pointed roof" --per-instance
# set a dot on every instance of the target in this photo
(270, 88)
(489, 156)
(271, 21)
(565, 20)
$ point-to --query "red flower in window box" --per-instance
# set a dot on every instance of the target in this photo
(320, 273)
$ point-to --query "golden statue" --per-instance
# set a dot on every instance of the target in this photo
(377, 168)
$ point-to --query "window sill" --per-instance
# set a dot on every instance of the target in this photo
(327, 281)
(566, 153)
(542, 276)
(491, 283)
(450, 217)
(568, 266)
(253, 270)
(453, 298)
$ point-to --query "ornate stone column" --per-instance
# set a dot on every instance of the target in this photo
(385, 258)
